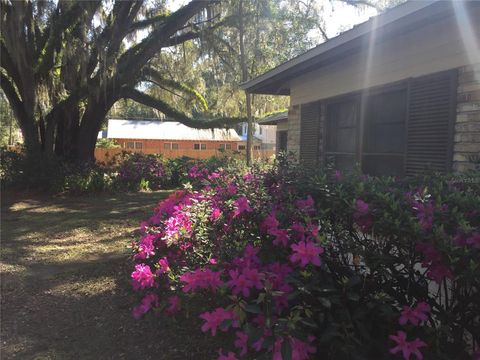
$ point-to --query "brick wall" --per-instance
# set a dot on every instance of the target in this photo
(293, 142)
(466, 148)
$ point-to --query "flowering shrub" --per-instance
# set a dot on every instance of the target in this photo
(327, 265)
(138, 171)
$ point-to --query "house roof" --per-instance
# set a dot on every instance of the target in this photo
(273, 119)
(399, 19)
(165, 130)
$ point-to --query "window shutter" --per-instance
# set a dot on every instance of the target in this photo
(309, 133)
(431, 113)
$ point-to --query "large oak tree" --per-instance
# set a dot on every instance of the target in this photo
(65, 63)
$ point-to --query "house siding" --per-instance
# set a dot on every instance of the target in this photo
(424, 50)
(293, 141)
(466, 148)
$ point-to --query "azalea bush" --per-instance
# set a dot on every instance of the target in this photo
(138, 171)
(326, 265)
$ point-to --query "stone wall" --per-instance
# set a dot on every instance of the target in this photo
(293, 142)
(466, 148)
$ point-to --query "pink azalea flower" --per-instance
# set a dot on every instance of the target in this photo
(248, 177)
(239, 283)
(214, 319)
(270, 224)
(145, 247)
(257, 345)
(414, 315)
(306, 252)
(250, 254)
(201, 279)
(338, 176)
(281, 237)
(306, 205)
(241, 205)
(407, 347)
(254, 277)
(142, 277)
(301, 350)
(146, 304)
(163, 266)
(474, 240)
(231, 189)
(362, 216)
(276, 349)
(241, 342)
(213, 175)
(174, 305)
(230, 356)
(438, 271)
(425, 214)
(215, 214)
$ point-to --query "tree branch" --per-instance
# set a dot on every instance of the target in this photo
(131, 62)
(150, 73)
(13, 99)
(163, 107)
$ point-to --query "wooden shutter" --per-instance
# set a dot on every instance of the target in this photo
(309, 133)
(431, 113)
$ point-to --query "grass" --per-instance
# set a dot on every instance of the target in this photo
(65, 290)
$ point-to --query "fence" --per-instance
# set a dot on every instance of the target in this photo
(104, 155)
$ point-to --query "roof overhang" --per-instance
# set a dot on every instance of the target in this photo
(273, 119)
(403, 18)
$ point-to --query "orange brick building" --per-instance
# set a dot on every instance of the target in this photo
(171, 139)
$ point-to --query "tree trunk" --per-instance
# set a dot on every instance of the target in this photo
(243, 62)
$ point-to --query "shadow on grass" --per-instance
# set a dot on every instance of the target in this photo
(70, 316)
(65, 283)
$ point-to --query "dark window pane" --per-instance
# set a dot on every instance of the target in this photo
(166, 146)
(228, 146)
(385, 138)
(341, 127)
(385, 123)
(282, 137)
(196, 146)
(378, 165)
(174, 146)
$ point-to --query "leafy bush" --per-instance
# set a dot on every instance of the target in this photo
(138, 171)
(107, 143)
(346, 267)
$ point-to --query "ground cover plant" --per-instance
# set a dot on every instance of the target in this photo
(299, 266)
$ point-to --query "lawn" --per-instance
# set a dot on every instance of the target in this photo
(65, 290)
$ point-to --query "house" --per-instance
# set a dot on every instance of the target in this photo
(278, 121)
(396, 95)
(171, 139)
(264, 137)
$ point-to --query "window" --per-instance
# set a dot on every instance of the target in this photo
(138, 145)
(241, 147)
(256, 147)
(341, 130)
(199, 146)
(225, 147)
(382, 149)
(130, 145)
(260, 130)
(399, 129)
(174, 146)
(384, 134)
(167, 146)
(282, 141)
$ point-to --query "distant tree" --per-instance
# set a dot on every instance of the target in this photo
(64, 64)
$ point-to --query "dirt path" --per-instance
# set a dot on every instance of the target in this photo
(65, 292)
